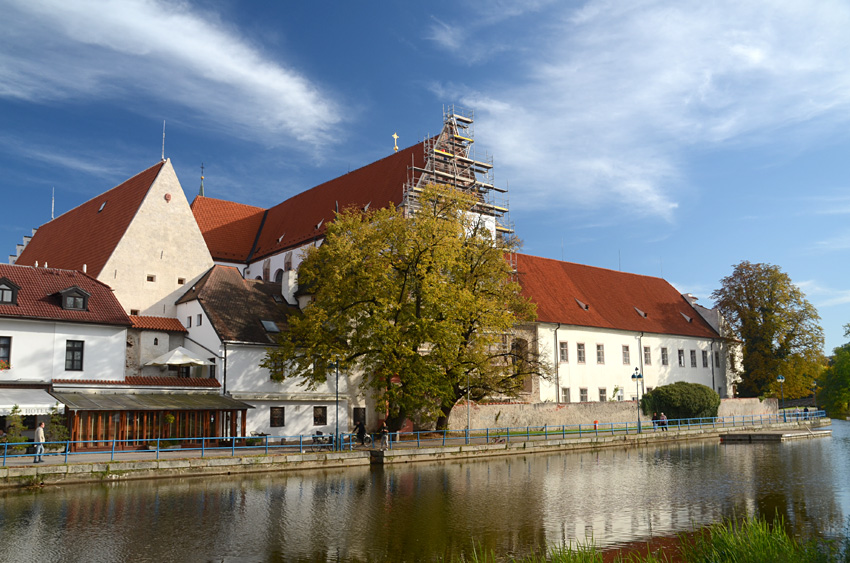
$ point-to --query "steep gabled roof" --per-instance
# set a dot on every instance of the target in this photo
(229, 228)
(574, 294)
(239, 233)
(89, 233)
(38, 296)
(237, 307)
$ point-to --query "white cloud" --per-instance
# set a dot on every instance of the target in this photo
(617, 94)
(55, 50)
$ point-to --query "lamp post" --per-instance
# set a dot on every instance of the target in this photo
(814, 391)
(781, 380)
(636, 377)
(336, 434)
(467, 406)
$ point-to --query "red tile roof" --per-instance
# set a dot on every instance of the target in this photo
(146, 382)
(90, 232)
(165, 324)
(236, 307)
(39, 297)
(229, 228)
(614, 299)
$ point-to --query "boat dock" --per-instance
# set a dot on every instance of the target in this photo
(774, 435)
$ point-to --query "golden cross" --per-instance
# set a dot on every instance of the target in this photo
(395, 142)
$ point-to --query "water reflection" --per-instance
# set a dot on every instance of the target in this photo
(428, 511)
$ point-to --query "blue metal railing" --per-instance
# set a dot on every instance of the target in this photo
(216, 445)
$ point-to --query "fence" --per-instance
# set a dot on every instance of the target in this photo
(264, 444)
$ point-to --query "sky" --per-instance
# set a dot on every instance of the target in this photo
(666, 138)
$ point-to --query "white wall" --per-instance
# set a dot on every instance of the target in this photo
(38, 350)
(614, 374)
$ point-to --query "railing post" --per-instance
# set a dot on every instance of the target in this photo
(157, 448)
(546, 431)
(5, 447)
(233, 446)
(563, 432)
(301, 443)
(579, 430)
(444, 435)
(203, 445)
(507, 434)
(67, 449)
(487, 435)
(267, 444)
(112, 457)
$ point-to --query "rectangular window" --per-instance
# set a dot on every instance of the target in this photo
(649, 389)
(320, 416)
(603, 394)
(189, 321)
(665, 360)
(627, 360)
(181, 281)
(212, 368)
(74, 355)
(359, 415)
(7, 295)
(647, 356)
(74, 302)
(580, 353)
(693, 358)
(277, 417)
(184, 371)
(200, 319)
(565, 394)
(6, 350)
(705, 358)
(717, 359)
(134, 312)
(564, 352)
(600, 353)
(582, 394)
(151, 278)
(681, 358)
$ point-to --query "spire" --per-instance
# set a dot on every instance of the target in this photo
(201, 191)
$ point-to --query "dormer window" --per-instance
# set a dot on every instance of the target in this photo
(8, 292)
(75, 299)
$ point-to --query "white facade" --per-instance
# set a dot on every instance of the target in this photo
(611, 357)
(38, 350)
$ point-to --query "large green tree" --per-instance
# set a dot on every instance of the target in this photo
(778, 327)
(419, 300)
(834, 384)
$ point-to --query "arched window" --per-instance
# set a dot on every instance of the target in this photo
(278, 276)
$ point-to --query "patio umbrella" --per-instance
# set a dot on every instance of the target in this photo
(179, 357)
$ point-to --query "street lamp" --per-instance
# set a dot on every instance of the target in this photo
(636, 377)
(781, 380)
(335, 364)
(467, 406)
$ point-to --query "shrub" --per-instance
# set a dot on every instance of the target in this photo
(15, 429)
(682, 400)
(57, 429)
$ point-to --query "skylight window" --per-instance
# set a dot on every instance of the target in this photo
(687, 318)
(641, 313)
(270, 326)
(102, 205)
(583, 305)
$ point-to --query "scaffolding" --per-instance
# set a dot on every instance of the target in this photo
(450, 160)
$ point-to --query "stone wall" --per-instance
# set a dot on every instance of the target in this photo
(514, 415)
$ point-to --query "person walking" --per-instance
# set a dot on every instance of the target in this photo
(655, 421)
(385, 437)
(39, 443)
(360, 430)
(662, 422)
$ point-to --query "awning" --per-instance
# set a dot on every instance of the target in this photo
(180, 356)
(149, 402)
(30, 401)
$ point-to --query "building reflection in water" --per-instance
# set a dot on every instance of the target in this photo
(511, 505)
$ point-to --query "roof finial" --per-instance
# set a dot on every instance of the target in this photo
(163, 140)
(53, 204)
(201, 191)
(395, 142)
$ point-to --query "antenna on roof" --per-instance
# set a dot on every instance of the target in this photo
(336, 206)
(163, 140)
(201, 191)
(53, 203)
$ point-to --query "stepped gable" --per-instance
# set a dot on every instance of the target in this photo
(163, 324)
(304, 217)
(236, 307)
(38, 296)
(89, 233)
(575, 294)
(229, 228)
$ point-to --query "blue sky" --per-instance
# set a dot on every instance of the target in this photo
(667, 138)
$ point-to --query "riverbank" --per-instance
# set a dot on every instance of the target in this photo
(185, 463)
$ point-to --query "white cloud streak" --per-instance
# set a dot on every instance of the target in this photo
(54, 50)
(618, 93)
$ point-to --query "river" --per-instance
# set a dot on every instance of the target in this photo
(423, 512)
